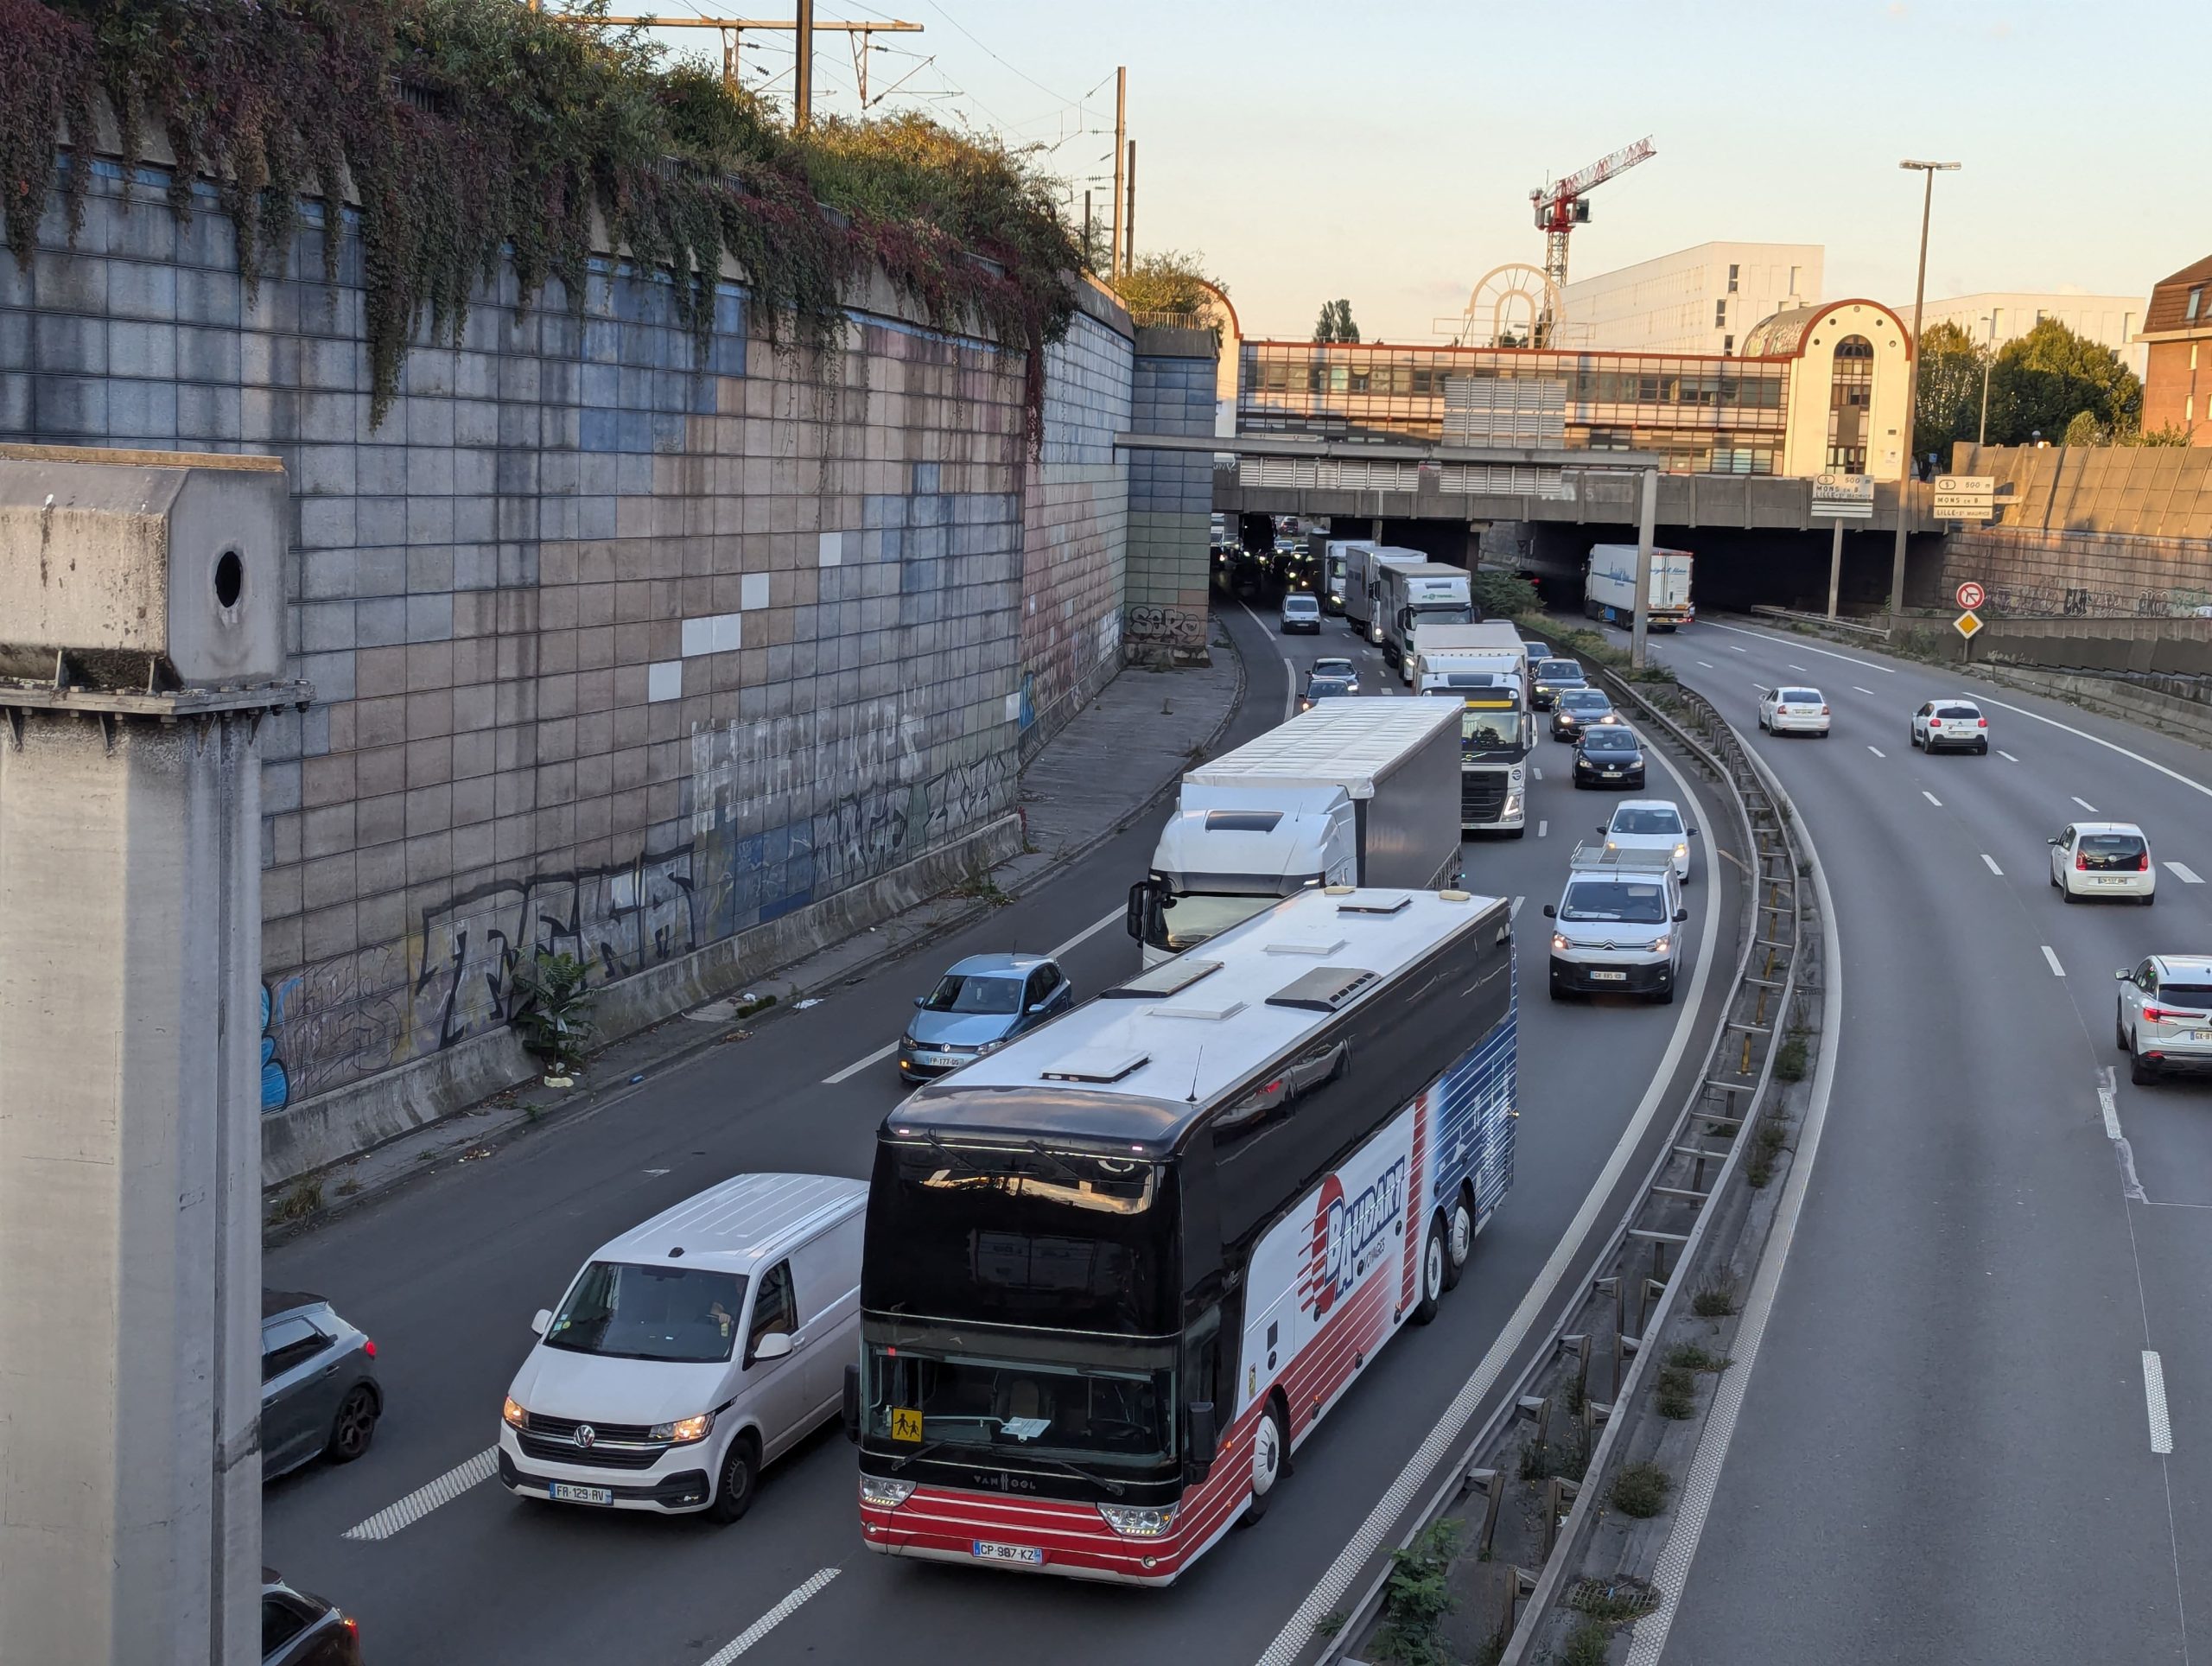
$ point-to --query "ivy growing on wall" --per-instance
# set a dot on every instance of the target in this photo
(474, 132)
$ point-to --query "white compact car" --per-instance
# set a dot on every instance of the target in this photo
(1797, 710)
(691, 1351)
(1956, 724)
(2164, 1021)
(2104, 859)
(1651, 824)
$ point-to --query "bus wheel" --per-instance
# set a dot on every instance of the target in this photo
(1270, 1451)
(1458, 1238)
(1434, 1258)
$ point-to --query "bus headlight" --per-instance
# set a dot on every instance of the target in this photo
(1139, 1522)
(881, 1492)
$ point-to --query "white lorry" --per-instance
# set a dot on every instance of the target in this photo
(1417, 600)
(1486, 668)
(1330, 553)
(1609, 591)
(1363, 565)
(1352, 792)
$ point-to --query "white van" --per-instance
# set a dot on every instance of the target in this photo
(1616, 928)
(691, 1351)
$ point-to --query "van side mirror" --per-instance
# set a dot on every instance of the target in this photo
(1693, 833)
(1680, 915)
(852, 1404)
(1603, 830)
(542, 1320)
(774, 1345)
(1204, 1439)
(1550, 911)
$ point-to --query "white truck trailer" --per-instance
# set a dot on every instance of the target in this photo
(1330, 554)
(1486, 668)
(1352, 792)
(1609, 590)
(1363, 565)
(1416, 601)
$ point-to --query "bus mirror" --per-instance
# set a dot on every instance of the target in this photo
(853, 1402)
(1205, 1436)
(1140, 895)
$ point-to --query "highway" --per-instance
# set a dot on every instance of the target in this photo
(1946, 1451)
(445, 1566)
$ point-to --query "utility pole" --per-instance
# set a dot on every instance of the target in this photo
(1912, 389)
(1988, 355)
(1129, 228)
(1087, 233)
(1647, 513)
(1121, 138)
(803, 77)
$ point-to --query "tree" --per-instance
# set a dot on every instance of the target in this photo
(1174, 280)
(1950, 390)
(1335, 324)
(2047, 377)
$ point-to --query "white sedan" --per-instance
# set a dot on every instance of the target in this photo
(1651, 824)
(2103, 859)
(1793, 711)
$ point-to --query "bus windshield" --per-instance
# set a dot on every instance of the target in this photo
(1018, 1408)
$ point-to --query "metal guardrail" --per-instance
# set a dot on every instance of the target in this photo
(1672, 1204)
(1838, 623)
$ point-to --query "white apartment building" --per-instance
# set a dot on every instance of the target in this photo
(1699, 300)
(2110, 319)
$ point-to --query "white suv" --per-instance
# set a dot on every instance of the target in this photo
(2104, 859)
(1616, 925)
(1955, 722)
(1793, 711)
(1651, 824)
(2165, 1021)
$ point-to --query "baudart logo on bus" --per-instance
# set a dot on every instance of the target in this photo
(1346, 1228)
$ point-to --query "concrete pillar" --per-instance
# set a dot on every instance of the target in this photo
(140, 645)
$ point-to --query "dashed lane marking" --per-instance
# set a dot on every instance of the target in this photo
(1086, 934)
(1707, 664)
(860, 1064)
(2097, 740)
(1536, 772)
(2006, 756)
(1803, 647)
(2186, 875)
(1991, 862)
(2084, 803)
(769, 1621)
(2057, 970)
(1854, 686)
(424, 1499)
(2154, 1401)
(1931, 797)
(1798, 668)
(1734, 649)
(1878, 752)
(1542, 828)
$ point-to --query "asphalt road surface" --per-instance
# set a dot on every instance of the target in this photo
(446, 1273)
(1946, 1450)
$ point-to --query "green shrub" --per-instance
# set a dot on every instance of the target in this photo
(1418, 1597)
(551, 1010)
(1640, 1490)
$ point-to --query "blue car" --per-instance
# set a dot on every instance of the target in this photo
(979, 1006)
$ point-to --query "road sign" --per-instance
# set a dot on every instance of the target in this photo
(1972, 595)
(1967, 624)
(1843, 497)
(1966, 497)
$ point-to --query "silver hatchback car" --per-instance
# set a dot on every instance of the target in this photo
(2165, 1020)
(979, 1005)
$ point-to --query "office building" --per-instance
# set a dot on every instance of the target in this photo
(2112, 320)
(1701, 300)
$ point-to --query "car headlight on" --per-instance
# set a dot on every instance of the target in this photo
(684, 1430)
(1139, 1521)
(1660, 945)
(881, 1492)
(1682, 850)
(513, 1415)
(1559, 945)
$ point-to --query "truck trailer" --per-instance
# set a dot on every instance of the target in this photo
(1609, 590)
(1418, 599)
(1363, 565)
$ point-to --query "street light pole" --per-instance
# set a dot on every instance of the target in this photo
(1912, 389)
(1988, 354)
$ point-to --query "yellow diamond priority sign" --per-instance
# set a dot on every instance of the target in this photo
(1967, 624)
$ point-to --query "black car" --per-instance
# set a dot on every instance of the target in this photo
(319, 1397)
(1551, 679)
(300, 1630)
(1609, 755)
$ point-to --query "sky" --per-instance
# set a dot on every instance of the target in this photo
(1384, 150)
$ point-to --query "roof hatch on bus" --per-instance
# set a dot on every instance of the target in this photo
(1324, 990)
(1170, 977)
(1104, 1063)
(1382, 904)
(1297, 946)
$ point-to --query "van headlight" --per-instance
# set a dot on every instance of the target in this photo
(1139, 1521)
(684, 1430)
(1660, 945)
(513, 1415)
(1682, 850)
(881, 1492)
(1559, 945)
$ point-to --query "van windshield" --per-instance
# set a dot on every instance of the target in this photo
(687, 1314)
(1635, 903)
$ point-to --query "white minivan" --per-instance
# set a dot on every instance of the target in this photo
(691, 1351)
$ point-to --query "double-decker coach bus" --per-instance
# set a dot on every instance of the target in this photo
(1116, 1272)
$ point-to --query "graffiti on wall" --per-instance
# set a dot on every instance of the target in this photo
(1173, 627)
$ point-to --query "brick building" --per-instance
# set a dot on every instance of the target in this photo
(2178, 330)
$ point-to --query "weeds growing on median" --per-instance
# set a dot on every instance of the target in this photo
(304, 1200)
(1676, 1394)
(1714, 1300)
(1640, 1490)
(1418, 1598)
(1688, 1357)
(1590, 1645)
(1768, 1143)
(1567, 1456)
(1790, 1058)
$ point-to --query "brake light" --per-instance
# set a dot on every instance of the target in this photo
(2143, 862)
(1981, 723)
(352, 1625)
(2155, 1014)
(1824, 711)
(1935, 722)
(2081, 863)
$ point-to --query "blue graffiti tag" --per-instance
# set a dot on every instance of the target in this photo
(276, 1081)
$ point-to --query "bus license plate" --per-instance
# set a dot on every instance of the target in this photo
(1610, 977)
(567, 1492)
(1028, 1555)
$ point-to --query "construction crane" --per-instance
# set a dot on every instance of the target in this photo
(1561, 206)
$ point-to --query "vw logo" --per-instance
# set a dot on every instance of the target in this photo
(585, 1435)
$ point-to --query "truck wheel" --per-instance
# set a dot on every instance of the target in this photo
(1434, 1258)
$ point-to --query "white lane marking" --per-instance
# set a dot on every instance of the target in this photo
(1707, 664)
(2097, 740)
(1536, 772)
(2154, 1401)
(1866, 690)
(2057, 970)
(2187, 876)
(1514, 912)
(1289, 671)
(1804, 647)
(424, 1499)
(1734, 649)
(2123, 1153)
(2108, 1103)
(2084, 803)
(769, 1621)
(1087, 933)
(1543, 828)
(1878, 752)
(860, 1064)
(1797, 668)
(1676, 1555)
(1931, 797)
(2006, 756)
(1991, 862)
(1419, 1471)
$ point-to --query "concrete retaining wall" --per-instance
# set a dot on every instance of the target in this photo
(2190, 720)
(1170, 499)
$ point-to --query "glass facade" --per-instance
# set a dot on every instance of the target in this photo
(1704, 414)
(1851, 397)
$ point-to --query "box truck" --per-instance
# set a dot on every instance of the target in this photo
(1609, 591)
(1363, 565)
(1418, 599)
